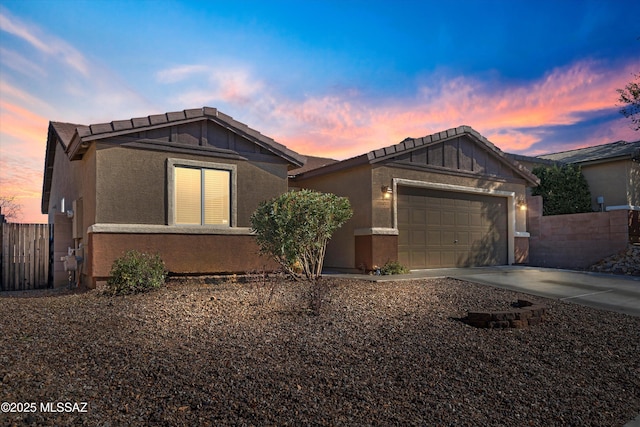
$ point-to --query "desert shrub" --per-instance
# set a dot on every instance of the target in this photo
(136, 272)
(295, 227)
(393, 267)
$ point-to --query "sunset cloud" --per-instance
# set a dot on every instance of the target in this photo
(507, 115)
(179, 73)
(206, 84)
(47, 44)
(337, 95)
(23, 134)
(19, 63)
(21, 177)
(21, 123)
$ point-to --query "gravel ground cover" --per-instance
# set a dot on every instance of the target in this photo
(205, 353)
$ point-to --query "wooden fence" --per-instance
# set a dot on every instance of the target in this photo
(25, 256)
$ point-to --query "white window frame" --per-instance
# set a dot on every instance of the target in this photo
(171, 189)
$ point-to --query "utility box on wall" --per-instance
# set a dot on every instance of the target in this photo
(77, 219)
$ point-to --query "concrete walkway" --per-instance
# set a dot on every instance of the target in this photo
(602, 291)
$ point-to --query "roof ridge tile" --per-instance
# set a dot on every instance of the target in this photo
(139, 122)
(157, 119)
(192, 113)
(210, 111)
(122, 124)
(176, 115)
(100, 128)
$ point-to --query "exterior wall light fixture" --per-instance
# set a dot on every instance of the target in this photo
(522, 204)
(387, 191)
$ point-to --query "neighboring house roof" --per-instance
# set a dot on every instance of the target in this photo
(312, 163)
(412, 144)
(598, 153)
(76, 138)
(530, 159)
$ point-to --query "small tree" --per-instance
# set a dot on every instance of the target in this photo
(295, 228)
(630, 98)
(11, 209)
(564, 190)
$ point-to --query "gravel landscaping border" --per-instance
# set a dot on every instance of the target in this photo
(394, 353)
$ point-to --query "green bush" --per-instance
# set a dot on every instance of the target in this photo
(564, 190)
(393, 267)
(136, 272)
(295, 227)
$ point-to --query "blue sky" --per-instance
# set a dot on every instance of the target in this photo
(328, 78)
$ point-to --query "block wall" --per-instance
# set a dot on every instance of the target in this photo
(574, 241)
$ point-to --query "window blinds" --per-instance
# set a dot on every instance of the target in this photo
(202, 196)
(188, 193)
(216, 196)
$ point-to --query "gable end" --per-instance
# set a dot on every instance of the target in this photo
(206, 127)
(459, 150)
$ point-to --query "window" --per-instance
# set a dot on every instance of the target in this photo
(200, 195)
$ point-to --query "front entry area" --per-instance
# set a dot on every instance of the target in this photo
(439, 229)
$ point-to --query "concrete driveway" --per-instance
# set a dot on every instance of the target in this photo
(603, 291)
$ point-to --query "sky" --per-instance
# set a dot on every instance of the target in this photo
(325, 78)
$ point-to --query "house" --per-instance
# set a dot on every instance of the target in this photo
(182, 184)
(611, 170)
(448, 199)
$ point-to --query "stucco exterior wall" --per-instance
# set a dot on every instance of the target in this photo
(370, 237)
(118, 185)
(610, 180)
(131, 184)
(182, 253)
(384, 175)
(355, 184)
(62, 241)
(71, 181)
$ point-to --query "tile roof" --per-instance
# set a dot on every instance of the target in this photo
(596, 153)
(65, 131)
(75, 137)
(409, 144)
(312, 163)
(120, 127)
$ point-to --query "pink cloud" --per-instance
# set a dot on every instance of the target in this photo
(23, 134)
(22, 178)
(346, 124)
(340, 125)
(229, 83)
(21, 123)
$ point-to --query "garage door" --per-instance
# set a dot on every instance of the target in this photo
(450, 229)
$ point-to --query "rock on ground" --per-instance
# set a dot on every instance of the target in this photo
(205, 353)
(625, 262)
